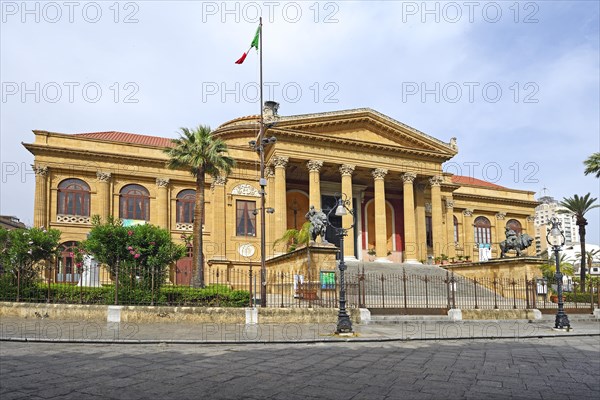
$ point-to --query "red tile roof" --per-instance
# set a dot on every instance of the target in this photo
(123, 137)
(467, 180)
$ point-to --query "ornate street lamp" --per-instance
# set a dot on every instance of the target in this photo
(344, 325)
(556, 239)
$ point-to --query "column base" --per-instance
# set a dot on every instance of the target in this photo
(382, 260)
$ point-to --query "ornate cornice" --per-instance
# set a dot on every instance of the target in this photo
(103, 176)
(527, 203)
(409, 177)
(314, 165)
(244, 189)
(347, 169)
(280, 161)
(40, 170)
(379, 173)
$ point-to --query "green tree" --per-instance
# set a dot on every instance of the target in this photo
(592, 165)
(200, 152)
(140, 253)
(579, 206)
(23, 249)
(549, 268)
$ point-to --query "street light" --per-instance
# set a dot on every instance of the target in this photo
(556, 239)
(259, 147)
(344, 325)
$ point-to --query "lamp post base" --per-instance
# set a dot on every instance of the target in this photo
(344, 325)
(562, 321)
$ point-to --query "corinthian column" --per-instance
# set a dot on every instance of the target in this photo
(40, 208)
(103, 194)
(436, 215)
(421, 234)
(314, 183)
(380, 217)
(410, 236)
(346, 171)
(280, 164)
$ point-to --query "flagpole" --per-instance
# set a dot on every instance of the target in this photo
(263, 181)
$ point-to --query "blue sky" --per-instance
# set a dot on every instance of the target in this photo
(516, 82)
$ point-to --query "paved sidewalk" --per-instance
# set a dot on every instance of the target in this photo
(48, 330)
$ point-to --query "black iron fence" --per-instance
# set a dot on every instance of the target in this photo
(240, 287)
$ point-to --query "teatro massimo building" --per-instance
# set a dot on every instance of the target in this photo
(407, 209)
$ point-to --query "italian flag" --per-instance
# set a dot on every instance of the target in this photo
(253, 44)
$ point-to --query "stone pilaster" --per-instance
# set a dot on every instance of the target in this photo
(270, 202)
(40, 213)
(450, 245)
(410, 231)
(346, 171)
(468, 233)
(500, 225)
(104, 194)
(314, 183)
(280, 206)
(436, 215)
(162, 199)
(218, 207)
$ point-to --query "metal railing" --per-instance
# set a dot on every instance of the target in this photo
(240, 287)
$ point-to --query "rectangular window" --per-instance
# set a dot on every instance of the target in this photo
(245, 218)
(429, 231)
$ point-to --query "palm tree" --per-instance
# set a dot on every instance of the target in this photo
(199, 151)
(592, 165)
(589, 256)
(580, 206)
(549, 268)
(295, 238)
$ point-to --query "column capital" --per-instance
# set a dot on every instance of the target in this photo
(280, 161)
(379, 173)
(269, 173)
(103, 176)
(500, 215)
(162, 182)
(409, 177)
(347, 169)
(530, 218)
(468, 212)
(449, 204)
(436, 181)
(41, 170)
(314, 165)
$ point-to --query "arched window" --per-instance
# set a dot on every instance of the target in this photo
(67, 271)
(134, 203)
(185, 206)
(455, 229)
(514, 225)
(73, 198)
(483, 230)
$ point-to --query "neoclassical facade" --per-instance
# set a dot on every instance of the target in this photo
(406, 208)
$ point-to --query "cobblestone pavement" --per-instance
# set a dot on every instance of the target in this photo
(548, 368)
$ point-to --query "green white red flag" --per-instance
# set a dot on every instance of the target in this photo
(253, 44)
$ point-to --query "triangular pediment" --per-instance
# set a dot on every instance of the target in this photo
(364, 127)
